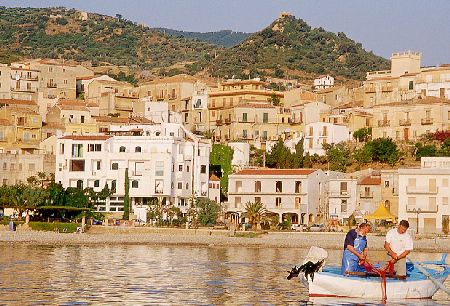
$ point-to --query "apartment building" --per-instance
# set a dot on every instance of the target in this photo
(433, 82)
(342, 198)
(165, 162)
(323, 82)
(214, 189)
(369, 193)
(389, 190)
(283, 192)
(17, 168)
(24, 82)
(424, 195)
(408, 120)
(74, 116)
(319, 133)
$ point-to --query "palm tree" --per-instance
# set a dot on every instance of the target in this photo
(255, 212)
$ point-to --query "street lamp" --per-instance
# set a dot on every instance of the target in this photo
(417, 211)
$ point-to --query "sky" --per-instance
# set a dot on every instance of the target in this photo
(382, 26)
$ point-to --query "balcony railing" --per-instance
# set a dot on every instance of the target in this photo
(369, 89)
(51, 85)
(426, 121)
(430, 208)
(366, 195)
(295, 122)
(339, 194)
(383, 123)
(219, 122)
(227, 121)
(405, 122)
(421, 190)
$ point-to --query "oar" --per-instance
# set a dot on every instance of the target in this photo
(434, 281)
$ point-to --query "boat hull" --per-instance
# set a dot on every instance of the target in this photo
(329, 285)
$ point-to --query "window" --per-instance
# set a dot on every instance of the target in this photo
(298, 187)
(77, 150)
(137, 149)
(386, 184)
(278, 202)
(445, 183)
(180, 185)
(113, 185)
(180, 168)
(115, 166)
(187, 186)
(411, 85)
(244, 134)
(258, 186)
(265, 117)
(13, 166)
(203, 168)
(159, 168)
(80, 184)
(244, 117)
(99, 164)
(187, 168)
(343, 206)
(298, 202)
(135, 184)
(343, 187)
(97, 183)
(82, 119)
(94, 147)
(122, 149)
(279, 186)
(257, 199)
(237, 202)
(138, 168)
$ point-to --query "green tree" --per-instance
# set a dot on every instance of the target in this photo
(255, 212)
(298, 156)
(222, 155)
(126, 198)
(279, 157)
(275, 99)
(385, 150)
(207, 211)
(425, 150)
(256, 156)
(338, 156)
(363, 134)
(444, 150)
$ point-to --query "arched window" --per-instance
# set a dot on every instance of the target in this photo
(114, 166)
(135, 184)
(122, 149)
(137, 149)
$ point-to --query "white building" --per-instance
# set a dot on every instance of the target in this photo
(241, 153)
(165, 163)
(424, 195)
(293, 192)
(323, 82)
(319, 133)
(342, 198)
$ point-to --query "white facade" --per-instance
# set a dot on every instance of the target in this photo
(324, 82)
(241, 153)
(159, 112)
(319, 133)
(164, 162)
(424, 195)
(294, 192)
(342, 198)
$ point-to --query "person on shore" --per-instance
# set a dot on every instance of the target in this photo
(399, 244)
(355, 250)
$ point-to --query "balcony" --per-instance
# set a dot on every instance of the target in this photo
(421, 190)
(339, 194)
(369, 89)
(51, 85)
(426, 121)
(219, 122)
(405, 122)
(227, 121)
(227, 137)
(295, 122)
(217, 138)
(366, 195)
(430, 208)
(386, 88)
(384, 123)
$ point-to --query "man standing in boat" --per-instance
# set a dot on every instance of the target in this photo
(355, 250)
(399, 244)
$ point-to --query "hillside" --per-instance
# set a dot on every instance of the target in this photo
(60, 32)
(225, 38)
(290, 45)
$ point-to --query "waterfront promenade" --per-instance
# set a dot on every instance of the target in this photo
(205, 237)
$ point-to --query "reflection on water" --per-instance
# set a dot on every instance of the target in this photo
(136, 275)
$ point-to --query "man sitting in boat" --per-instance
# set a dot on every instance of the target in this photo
(355, 250)
(399, 244)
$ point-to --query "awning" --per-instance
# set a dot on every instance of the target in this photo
(381, 213)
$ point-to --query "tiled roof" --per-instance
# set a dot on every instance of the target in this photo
(73, 107)
(370, 180)
(213, 177)
(17, 102)
(255, 105)
(141, 120)
(86, 137)
(276, 172)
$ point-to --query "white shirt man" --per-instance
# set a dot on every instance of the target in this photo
(399, 244)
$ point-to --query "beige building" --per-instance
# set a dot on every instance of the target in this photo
(74, 116)
(5, 81)
(408, 120)
(16, 168)
(424, 195)
(24, 81)
(389, 190)
(434, 82)
(369, 194)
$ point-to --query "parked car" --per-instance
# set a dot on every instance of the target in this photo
(298, 227)
(316, 228)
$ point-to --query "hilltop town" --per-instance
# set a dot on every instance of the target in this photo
(165, 141)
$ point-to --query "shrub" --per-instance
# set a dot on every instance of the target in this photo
(53, 227)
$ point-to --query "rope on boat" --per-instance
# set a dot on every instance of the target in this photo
(433, 280)
(389, 268)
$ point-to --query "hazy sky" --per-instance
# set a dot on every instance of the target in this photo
(383, 26)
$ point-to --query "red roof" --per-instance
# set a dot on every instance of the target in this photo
(370, 180)
(276, 172)
(14, 101)
(86, 137)
(213, 177)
